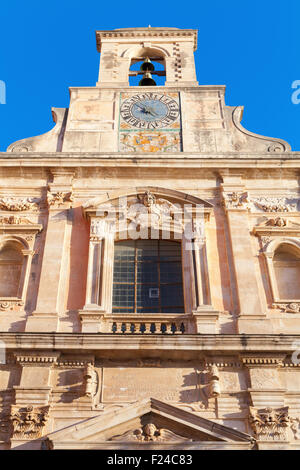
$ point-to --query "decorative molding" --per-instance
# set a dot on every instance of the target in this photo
(287, 307)
(236, 200)
(10, 304)
(214, 381)
(275, 204)
(91, 381)
(269, 424)
(263, 361)
(36, 359)
(28, 422)
(18, 205)
(149, 433)
(15, 220)
(56, 199)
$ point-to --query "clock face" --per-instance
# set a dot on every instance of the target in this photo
(150, 111)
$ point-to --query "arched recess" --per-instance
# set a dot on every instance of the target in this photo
(17, 238)
(283, 260)
(146, 213)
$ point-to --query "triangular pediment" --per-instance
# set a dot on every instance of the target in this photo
(149, 423)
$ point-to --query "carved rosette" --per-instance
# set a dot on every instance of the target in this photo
(270, 424)
(28, 422)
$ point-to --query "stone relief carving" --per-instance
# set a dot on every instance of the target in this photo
(236, 200)
(150, 433)
(273, 204)
(91, 381)
(14, 204)
(277, 222)
(270, 424)
(295, 427)
(10, 304)
(214, 376)
(29, 422)
(292, 307)
(59, 198)
(15, 220)
(159, 209)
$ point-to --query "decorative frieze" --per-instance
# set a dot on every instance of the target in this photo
(275, 204)
(18, 205)
(270, 424)
(10, 304)
(287, 307)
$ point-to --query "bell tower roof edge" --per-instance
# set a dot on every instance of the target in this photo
(145, 33)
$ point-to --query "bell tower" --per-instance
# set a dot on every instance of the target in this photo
(173, 47)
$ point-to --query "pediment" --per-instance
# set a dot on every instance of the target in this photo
(150, 424)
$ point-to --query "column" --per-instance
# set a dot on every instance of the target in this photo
(53, 286)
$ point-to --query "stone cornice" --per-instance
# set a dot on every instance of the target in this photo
(90, 342)
(230, 160)
(145, 33)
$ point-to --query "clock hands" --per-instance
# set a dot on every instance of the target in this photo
(147, 110)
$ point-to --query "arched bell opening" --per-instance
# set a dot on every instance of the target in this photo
(147, 71)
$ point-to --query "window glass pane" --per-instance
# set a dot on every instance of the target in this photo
(169, 251)
(123, 295)
(149, 310)
(147, 250)
(147, 272)
(122, 310)
(124, 251)
(171, 295)
(124, 272)
(170, 272)
(147, 296)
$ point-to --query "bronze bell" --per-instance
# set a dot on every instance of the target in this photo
(147, 80)
(147, 65)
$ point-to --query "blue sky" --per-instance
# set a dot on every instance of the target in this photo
(250, 46)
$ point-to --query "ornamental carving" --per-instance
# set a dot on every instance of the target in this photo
(292, 307)
(236, 200)
(13, 204)
(29, 422)
(277, 222)
(10, 304)
(90, 378)
(150, 433)
(15, 220)
(59, 198)
(160, 210)
(274, 204)
(214, 381)
(269, 423)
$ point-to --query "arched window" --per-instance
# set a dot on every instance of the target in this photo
(11, 264)
(286, 262)
(147, 277)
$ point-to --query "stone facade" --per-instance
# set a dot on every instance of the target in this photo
(221, 374)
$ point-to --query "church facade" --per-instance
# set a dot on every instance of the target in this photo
(150, 266)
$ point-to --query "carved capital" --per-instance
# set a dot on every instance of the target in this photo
(237, 200)
(270, 424)
(28, 422)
